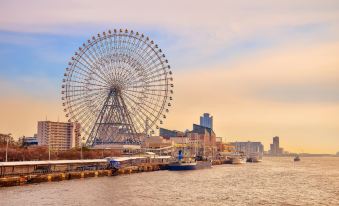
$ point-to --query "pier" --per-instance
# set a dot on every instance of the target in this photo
(28, 172)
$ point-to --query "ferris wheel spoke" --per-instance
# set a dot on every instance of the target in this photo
(103, 51)
(153, 78)
(85, 77)
(144, 101)
(136, 118)
(92, 74)
(156, 73)
(93, 59)
(139, 114)
(82, 112)
(142, 107)
(155, 66)
(75, 98)
(87, 83)
(139, 59)
(158, 95)
(97, 56)
(149, 85)
(83, 90)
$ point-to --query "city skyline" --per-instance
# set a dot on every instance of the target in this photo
(261, 69)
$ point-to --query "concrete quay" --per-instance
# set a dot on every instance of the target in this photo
(21, 173)
(53, 177)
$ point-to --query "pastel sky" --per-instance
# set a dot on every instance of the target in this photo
(261, 68)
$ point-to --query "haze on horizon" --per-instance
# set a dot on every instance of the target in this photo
(261, 68)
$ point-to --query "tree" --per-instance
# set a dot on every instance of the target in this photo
(6, 137)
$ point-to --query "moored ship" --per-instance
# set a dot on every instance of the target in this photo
(197, 163)
(176, 166)
(238, 158)
(254, 157)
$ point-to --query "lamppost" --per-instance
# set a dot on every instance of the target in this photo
(49, 148)
(81, 139)
(9, 135)
(102, 146)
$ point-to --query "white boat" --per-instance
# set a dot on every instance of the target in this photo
(254, 157)
(238, 159)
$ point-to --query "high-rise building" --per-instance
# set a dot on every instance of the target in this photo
(249, 147)
(59, 135)
(275, 148)
(206, 120)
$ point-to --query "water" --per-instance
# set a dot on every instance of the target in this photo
(276, 181)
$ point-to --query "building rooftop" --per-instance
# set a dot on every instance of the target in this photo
(201, 129)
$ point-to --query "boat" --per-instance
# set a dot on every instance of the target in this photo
(254, 157)
(239, 160)
(176, 166)
(297, 158)
(188, 164)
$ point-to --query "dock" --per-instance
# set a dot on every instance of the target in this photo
(28, 172)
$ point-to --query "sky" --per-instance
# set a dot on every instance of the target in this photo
(261, 68)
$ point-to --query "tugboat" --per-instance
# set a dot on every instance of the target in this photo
(297, 158)
(197, 163)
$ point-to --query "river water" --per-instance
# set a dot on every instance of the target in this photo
(275, 181)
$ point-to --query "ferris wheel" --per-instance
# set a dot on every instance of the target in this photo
(118, 86)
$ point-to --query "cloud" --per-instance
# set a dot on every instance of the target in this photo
(193, 32)
(211, 25)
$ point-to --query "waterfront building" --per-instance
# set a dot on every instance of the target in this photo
(228, 148)
(204, 138)
(219, 144)
(249, 147)
(166, 133)
(158, 144)
(28, 141)
(206, 120)
(206, 135)
(181, 141)
(59, 135)
(200, 141)
(275, 148)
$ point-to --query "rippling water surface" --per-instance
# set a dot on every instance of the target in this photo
(275, 181)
